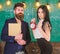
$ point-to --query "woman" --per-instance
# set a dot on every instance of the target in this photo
(42, 30)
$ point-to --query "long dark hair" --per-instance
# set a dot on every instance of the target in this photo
(46, 18)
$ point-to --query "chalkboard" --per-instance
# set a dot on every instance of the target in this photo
(30, 12)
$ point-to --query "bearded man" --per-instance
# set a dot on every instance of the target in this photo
(16, 44)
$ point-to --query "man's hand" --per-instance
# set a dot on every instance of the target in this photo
(19, 39)
(19, 36)
(21, 42)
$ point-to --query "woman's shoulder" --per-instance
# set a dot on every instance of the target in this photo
(47, 25)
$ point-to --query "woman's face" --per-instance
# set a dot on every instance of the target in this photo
(41, 13)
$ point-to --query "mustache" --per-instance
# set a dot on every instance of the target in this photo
(20, 13)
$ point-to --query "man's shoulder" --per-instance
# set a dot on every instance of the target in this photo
(10, 20)
(25, 22)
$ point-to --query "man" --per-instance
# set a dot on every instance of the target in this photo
(16, 44)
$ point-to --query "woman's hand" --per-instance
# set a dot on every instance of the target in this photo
(40, 24)
(33, 20)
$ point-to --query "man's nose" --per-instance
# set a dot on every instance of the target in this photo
(20, 11)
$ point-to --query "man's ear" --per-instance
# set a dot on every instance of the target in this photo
(14, 11)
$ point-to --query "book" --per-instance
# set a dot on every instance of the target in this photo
(14, 29)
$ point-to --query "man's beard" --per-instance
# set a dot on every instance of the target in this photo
(19, 16)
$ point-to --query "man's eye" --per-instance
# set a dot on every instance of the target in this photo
(18, 9)
(21, 10)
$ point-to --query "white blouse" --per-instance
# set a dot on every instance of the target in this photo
(37, 34)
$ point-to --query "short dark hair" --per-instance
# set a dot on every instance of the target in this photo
(19, 5)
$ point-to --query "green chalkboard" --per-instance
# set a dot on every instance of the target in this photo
(30, 12)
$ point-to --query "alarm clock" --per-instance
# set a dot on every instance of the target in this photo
(33, 25)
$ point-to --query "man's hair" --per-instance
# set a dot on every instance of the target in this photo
(19, 5)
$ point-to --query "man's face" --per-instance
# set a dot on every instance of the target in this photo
(19, 12)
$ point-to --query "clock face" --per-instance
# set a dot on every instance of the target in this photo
(33, 25)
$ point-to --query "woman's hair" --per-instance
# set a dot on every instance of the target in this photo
(46, 18)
